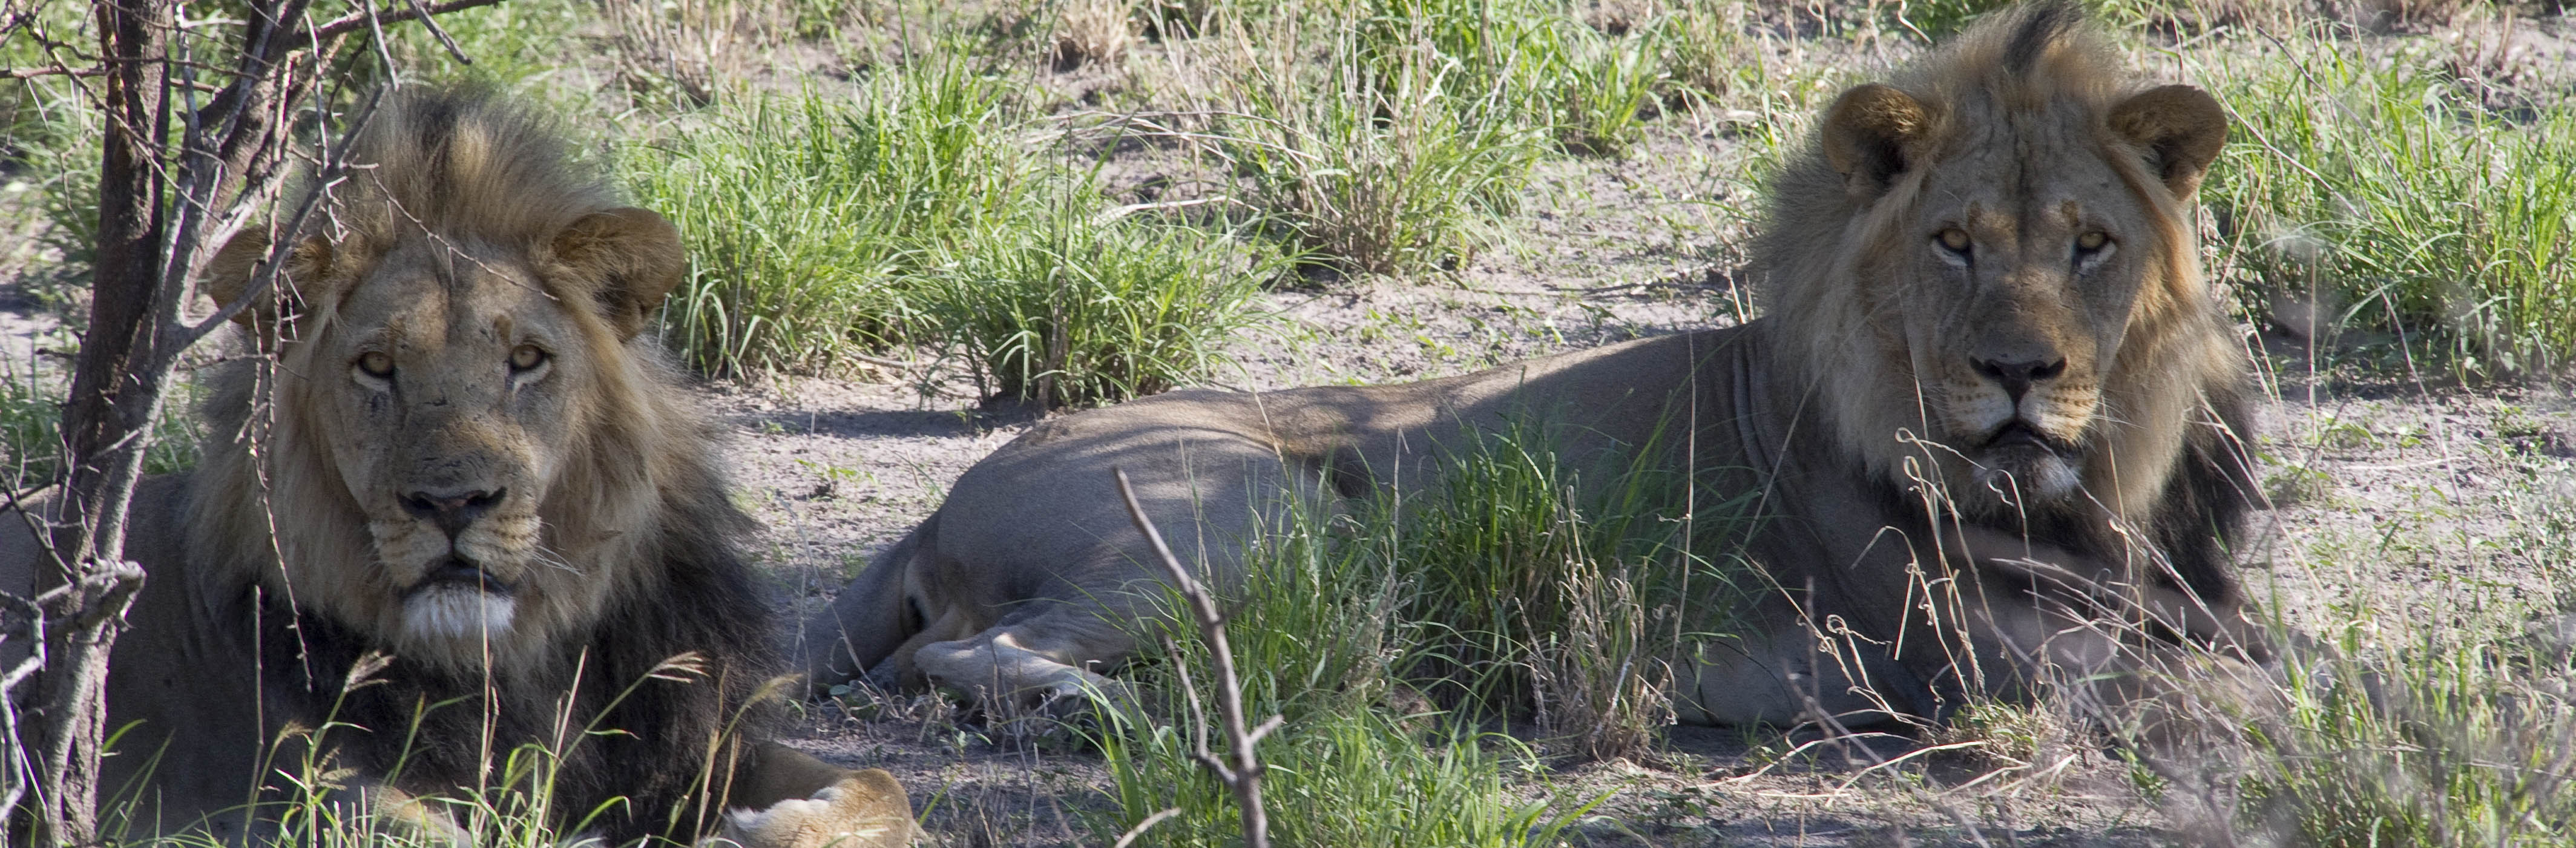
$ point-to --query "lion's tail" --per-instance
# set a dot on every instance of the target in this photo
(867, 621)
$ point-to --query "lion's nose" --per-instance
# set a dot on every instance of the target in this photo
(452, 512)
(2016, 377)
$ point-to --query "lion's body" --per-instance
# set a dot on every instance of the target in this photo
(459, 509)
(1992, 405)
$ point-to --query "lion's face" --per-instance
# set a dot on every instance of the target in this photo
(2032, 263)
(457, 391)
(2018, 293)
(453, 391)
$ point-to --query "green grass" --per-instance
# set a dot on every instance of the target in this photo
(1071, 309)
(2391, 198)
(1392, 637)
(31, 418)
(1382, 157)
(1598, 86)
(811, 220)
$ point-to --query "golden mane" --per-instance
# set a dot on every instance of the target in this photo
(466, 164)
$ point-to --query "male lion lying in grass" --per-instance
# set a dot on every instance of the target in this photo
(457, 530)
(1991, 422)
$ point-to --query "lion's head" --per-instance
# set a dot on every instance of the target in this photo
(464, 430)
(1991, 275)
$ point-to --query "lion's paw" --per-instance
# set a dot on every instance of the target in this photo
(865, 810)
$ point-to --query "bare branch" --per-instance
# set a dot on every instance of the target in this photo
(1243, 775)
(32, 73)
(430, 23)
(355, 21)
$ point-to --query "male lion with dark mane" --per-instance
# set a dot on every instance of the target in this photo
(458, 508)
(1991, 423)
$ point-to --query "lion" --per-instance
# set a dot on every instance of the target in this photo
(1991, 422)
(453, 505)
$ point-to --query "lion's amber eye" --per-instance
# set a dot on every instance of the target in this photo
(526, 357)
(1954, 239)
(2092, 240)
(376, 364)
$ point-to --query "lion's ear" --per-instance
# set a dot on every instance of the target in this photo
(635, 252)
(229, 275)
(2179, 127)
(1870, 136)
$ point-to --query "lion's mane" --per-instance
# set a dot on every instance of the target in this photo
(2176, 395)
(462, 164)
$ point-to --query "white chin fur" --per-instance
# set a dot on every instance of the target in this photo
(2041, 479)
(457, 613)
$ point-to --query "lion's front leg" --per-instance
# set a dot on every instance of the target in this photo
(1036, 663)
(783, 798)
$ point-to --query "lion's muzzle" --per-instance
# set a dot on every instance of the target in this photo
(2017, 376)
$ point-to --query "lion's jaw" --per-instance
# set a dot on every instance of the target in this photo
(444, 387)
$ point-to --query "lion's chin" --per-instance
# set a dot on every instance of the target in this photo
(2019, 465)
(457, 612)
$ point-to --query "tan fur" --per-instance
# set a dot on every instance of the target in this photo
(1920, 560)
(521, 511)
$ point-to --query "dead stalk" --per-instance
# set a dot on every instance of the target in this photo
(1244, 775)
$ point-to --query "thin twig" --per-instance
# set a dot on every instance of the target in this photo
(355, 21)
(1129, 838)
(429, 22)
(31, 73)
(1243, 775)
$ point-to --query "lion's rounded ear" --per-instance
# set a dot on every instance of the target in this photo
(635, 252)
(2179, 127)
(229, 275)
(1870, 135)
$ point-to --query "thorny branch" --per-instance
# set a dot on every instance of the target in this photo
(180, 176)
(1243, 774)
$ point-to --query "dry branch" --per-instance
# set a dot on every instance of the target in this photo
(1243, 774)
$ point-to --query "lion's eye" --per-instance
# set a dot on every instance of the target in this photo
(1954, 240)
(526, 358)
(376, 364)
(2092, 240)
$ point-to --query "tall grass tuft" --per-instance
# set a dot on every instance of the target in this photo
(1560, 591)
(2385, 194)
(1382, 156)
(1070, 309)
(1393, 635)
(811, 219)
(1318, 629)
(1595, 87)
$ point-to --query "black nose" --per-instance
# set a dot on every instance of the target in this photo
(2016, 377)
(452, 512)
